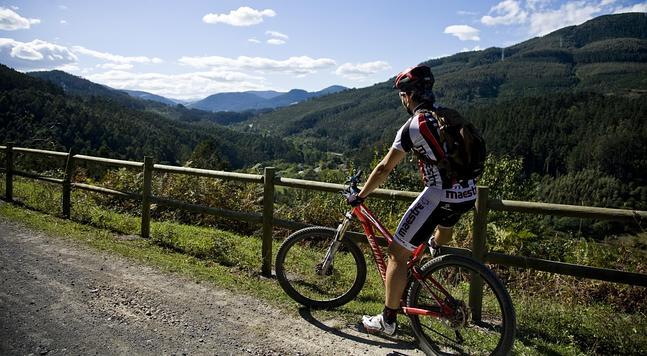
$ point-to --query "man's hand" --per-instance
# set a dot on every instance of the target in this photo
(354, 200)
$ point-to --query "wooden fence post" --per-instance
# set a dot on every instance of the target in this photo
(67, 185)
(8, 159)
(268, 219)
(146, 197)
(479, 237)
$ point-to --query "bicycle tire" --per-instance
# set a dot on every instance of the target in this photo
(449, 271)
(296, 262)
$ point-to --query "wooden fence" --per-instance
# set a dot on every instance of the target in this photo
(269, 180)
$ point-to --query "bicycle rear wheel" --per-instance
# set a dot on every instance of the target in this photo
(298, 269)
(445, 289)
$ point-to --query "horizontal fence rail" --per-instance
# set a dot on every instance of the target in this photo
(94, 188)
(336, 188)
(41, 152)
(109, 161)
(251, 178)
(604, 274)
(574, 211)
(479, 241)
(37, 177)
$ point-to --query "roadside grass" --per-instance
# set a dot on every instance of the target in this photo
(545, 324)
(227, 259)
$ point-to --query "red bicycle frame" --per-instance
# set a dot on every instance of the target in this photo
(370, 223)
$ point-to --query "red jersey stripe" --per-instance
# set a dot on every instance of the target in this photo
(429, 137)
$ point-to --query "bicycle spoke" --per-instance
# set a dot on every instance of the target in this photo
(454, 344)
(446, 288)
(299, 269)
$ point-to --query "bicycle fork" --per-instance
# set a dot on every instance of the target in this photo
(326, 264)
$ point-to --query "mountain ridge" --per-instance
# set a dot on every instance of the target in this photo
(587, 58)
(38, 113)
(150, 96)
(254, 100)
(230, 101)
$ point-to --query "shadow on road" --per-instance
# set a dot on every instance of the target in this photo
(389, 343)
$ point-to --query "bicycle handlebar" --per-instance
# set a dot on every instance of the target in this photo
(352, 182)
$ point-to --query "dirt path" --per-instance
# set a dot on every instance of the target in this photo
(58, 298)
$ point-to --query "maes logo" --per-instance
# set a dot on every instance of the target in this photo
(461, 194)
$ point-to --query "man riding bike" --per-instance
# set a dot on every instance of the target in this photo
(439, 206)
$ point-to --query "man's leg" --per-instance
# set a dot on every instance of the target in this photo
(396, 282)
(413, 221)
(443, 235)
(396, 275)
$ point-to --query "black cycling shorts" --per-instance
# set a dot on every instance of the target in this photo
(433, 207)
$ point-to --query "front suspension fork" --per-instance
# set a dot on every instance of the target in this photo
(326, 264)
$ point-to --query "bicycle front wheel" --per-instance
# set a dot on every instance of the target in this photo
(299, 269)
(456, 328)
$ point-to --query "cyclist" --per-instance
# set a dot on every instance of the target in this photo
(440, 204)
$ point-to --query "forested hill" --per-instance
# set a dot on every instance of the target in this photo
(73, 85)
(572, 105)
(38, 114)
(606, 55)
(253, 100)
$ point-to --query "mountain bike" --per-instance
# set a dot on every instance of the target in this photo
(323, 268)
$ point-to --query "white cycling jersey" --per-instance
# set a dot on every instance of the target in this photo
(441, 203)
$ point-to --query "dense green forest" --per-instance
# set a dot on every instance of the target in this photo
(570, 106)
(605, 55)
(78, 86)
(35, 113)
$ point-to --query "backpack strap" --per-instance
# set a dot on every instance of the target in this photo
(436, 147)
(429, 137)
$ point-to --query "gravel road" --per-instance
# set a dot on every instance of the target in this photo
(60, 298)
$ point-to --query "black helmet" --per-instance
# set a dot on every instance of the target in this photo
(418, 77)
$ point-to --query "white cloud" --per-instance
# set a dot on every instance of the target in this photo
(115, 66)
(275, 41)
(10, 21)
(63, 22)
(70, 68)
(642, 7)
(39, 54)
(359, 71)
(34, 54)
(535, 5)
(292, 65)
(278, 38)
(194, 85)
(463, 32)
(466, 13)
(571, 13)
(62, 7)
(114, 58)
(244, 16)
(507, 12)
(276, 34)
(541, 17)
(253, 40)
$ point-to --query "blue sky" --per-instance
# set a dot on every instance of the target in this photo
(191, 49)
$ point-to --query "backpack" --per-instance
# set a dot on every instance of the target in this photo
(463, 145)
